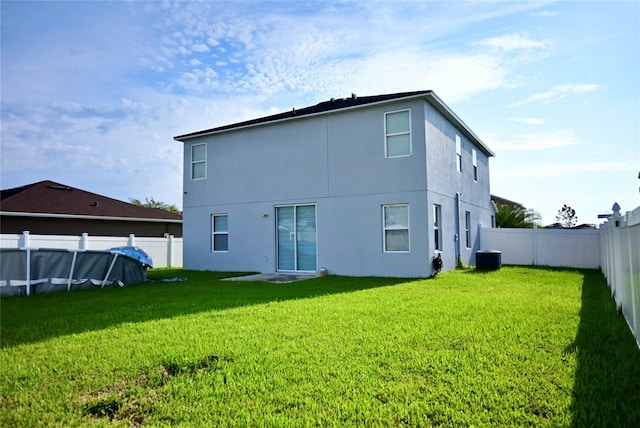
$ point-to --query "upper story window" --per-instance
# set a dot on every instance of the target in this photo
(198, 161)
(396, 228)
(397, 131)
(458, 154)
(220, 232)
(474, 155)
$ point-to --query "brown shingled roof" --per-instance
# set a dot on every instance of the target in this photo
(48, 197)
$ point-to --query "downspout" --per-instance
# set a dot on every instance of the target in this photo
(457, 236)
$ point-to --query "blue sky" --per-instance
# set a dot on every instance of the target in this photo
(94, 92)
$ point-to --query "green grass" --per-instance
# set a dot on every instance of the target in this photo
(517, 347)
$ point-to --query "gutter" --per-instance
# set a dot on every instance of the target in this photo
(87, 217)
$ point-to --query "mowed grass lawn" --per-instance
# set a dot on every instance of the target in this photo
(517, 347)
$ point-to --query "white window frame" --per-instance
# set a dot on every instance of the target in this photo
(474, 156)
(387, 135)
(458, 154)
(193, 162)
(215, 232)
(467, 227)
(386, 228)
(437, 226)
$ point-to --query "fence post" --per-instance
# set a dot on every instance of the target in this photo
(25, 240)
(480, 235)
(28, 276)
(84, 241)
(534, 237)
(617, 280)
(170, 251)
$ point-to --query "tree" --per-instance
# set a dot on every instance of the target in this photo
(516, 216)
(567, 216)
(152, 203)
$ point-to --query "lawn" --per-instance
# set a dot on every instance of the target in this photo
(516, 347)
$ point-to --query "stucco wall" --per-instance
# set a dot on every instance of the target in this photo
(337, 162)
(444, 182)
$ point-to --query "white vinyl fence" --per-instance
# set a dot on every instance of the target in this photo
(165, 252)
(620, 248)
(614, 249)
(579, 248)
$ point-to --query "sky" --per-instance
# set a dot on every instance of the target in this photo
(92, 93)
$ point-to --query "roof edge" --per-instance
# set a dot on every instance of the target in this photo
(87, 217)
(290, 115)
(428, 95)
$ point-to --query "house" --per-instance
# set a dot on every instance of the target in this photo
(50, 208)
(358, 186)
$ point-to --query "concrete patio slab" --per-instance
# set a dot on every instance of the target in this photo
(280, 278)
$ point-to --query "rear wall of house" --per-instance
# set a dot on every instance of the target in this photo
(337, 163)
(334, 161)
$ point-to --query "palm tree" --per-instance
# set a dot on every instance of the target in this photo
(516, 216)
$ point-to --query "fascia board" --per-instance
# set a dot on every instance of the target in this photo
(87, 217)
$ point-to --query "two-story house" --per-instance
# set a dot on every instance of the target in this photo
(360, 186)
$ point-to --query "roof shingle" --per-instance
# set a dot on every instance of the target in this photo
(48, 197)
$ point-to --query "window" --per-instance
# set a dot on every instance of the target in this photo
(474, 155)
(198, 161)
(396, 228)
(467, 227)
(220, 226)
(397, 129)
(437, 221)
(458, 154)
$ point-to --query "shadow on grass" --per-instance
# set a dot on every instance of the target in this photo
(44, 316)
(607, 385)
(472, 270)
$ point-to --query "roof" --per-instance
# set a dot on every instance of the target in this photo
(352, 102)
(503, 201)
(51, 198)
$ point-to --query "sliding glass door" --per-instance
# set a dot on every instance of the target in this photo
(296, 244)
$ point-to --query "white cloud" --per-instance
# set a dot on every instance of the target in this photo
(200, 47)
(512, 42)
(531, 141)
(527, 120)
(544, 13)
(560, 93)
(557, 170)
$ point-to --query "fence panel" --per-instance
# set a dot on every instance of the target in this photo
(620, 246)
(516, 245)
(164, 251)
(53, 241)
(569, 248)
(545, 247)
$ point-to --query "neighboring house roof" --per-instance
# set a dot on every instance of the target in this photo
(561, 226)
(50, 199)
(502, 201)
(352, 102)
